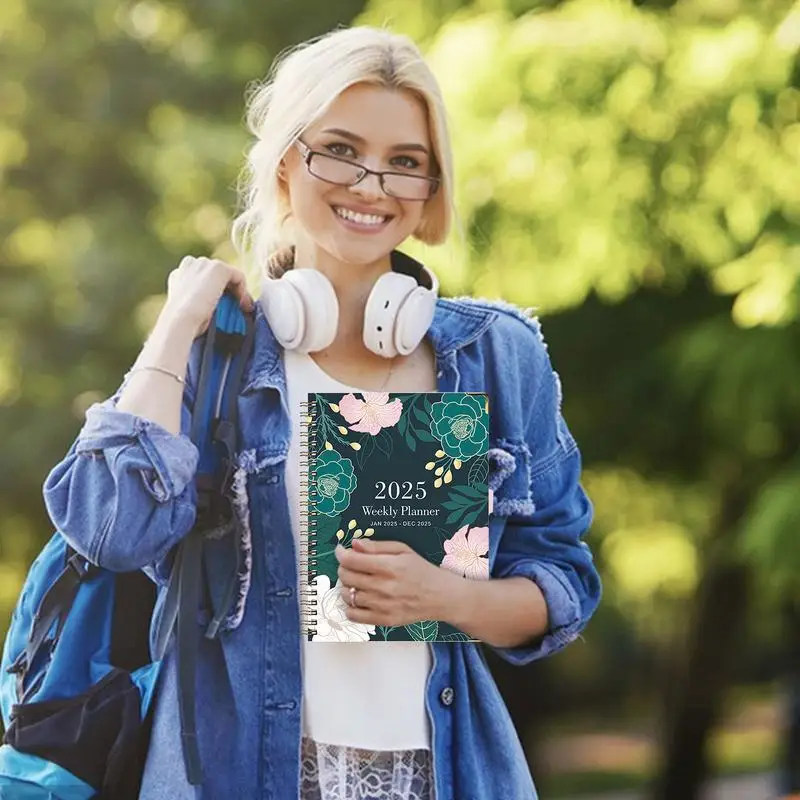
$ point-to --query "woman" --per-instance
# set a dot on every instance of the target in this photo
(351, 158)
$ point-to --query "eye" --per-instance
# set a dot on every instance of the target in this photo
(406, 162)
(340, 149)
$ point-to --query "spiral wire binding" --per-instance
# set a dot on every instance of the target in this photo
(308, 519)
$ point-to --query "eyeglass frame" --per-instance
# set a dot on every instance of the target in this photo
(307, 153)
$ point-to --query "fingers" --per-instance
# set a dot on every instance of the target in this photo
(358, 580)
(365, 600)
(361, 582)
(237, 283)
(380, 547)
(195, 286)
(346, 593)
(362, 562)
(365, 616)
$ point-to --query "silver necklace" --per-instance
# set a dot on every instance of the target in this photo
(388, 374)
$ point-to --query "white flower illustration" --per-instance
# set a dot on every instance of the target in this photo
(332, 623)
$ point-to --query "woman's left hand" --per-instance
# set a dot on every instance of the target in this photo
(394, 585)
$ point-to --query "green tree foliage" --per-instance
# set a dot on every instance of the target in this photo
(627, 168)
(630, 171)
(120, 143)
(637, 155)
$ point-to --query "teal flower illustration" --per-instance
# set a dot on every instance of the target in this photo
(460, 423)
(334, 483)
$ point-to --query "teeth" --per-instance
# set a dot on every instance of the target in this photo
(361, 219)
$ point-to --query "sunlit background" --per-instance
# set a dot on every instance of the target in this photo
(628, 170)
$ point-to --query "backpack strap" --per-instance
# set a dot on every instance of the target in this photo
(55, 605)
(214, 431)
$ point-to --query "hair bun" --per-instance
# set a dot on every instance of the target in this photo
(281, 261)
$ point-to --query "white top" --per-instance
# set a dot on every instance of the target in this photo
(369, 695)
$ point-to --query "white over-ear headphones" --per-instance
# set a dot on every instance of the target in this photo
(303, 312)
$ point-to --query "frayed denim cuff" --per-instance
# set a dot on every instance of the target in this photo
(173, 458)
(563, 611)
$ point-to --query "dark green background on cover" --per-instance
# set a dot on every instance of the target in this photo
(398, 453)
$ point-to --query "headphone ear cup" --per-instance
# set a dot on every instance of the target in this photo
(381, 312)
(285, 312)
(414, 318)
(320, 308)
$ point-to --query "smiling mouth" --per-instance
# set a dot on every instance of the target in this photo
(367, 220)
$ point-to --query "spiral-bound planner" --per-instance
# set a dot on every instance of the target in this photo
(409, 467)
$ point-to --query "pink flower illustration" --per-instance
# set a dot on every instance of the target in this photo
(372, 413)
(468, 553)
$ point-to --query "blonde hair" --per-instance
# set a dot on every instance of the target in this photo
(301, 86)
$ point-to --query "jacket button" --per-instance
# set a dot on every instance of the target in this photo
(446, 696)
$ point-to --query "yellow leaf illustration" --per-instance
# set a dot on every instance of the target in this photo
(351, 524)
(369, 531)
(439, 471)
(457, 463)
(357, 533)
(439, 453)
(328, 446)
(343, 430)
(437, 483)
(355, 445)
(448, 476)
(430, 465)
(333, 406)
(340, 534)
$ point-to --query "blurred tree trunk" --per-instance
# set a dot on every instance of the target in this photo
(696, 693)
(789, 760)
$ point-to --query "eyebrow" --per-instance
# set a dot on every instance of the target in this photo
(354, 137)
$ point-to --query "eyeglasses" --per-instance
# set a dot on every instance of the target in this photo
(340, 171)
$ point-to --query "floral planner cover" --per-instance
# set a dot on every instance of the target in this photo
(410, 467)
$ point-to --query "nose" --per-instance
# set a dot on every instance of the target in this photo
(368, 187)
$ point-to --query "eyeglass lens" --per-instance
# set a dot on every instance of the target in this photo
(334, 170)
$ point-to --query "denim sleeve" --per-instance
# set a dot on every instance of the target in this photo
(545, 544)
(124, 495)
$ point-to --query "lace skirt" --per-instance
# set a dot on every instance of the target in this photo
(332, 772)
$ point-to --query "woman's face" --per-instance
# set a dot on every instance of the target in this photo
(381, 129)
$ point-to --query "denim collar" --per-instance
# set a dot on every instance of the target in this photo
(456, 323)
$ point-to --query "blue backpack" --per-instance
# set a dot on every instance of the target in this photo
(77, 677)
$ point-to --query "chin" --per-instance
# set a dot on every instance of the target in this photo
(362, 253)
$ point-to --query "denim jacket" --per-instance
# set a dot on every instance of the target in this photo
(124, 496)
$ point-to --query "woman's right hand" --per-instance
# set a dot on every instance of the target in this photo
(195, 286)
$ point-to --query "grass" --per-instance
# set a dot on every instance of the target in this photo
(575, 784)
